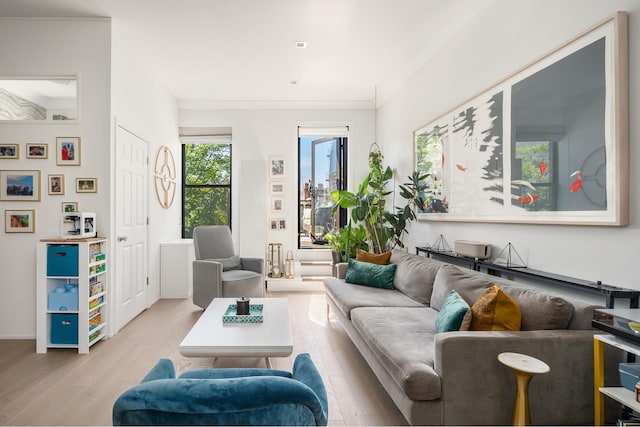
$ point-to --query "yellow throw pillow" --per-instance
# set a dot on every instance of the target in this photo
(380, 259)
(495, 311)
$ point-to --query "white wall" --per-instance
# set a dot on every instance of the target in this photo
(503, 37)
(145, 107)
(33, 47)
(259, 134)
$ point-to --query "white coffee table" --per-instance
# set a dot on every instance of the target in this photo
(211, 337)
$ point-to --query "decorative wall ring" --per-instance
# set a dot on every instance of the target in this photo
(165, 177)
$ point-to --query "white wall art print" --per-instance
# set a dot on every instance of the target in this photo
(548, 144)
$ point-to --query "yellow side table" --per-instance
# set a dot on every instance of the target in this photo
(524, 367)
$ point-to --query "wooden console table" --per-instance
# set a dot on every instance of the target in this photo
(610, 292)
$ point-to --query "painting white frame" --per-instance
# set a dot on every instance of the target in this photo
(19, 177)
(63, 143)
(44, 153)
(449, 198)
(10, 226)
(69, 207)
(90, 187)
(277, 187)
(53, 191)
(5, 154)
(277, 167)
(277, 204)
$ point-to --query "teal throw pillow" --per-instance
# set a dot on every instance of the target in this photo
(368, 274)
(455, 314)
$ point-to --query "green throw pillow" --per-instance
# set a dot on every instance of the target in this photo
(455, 314)
(368, 274)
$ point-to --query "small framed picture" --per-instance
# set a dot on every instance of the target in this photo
(23, 221)
(277, 167)
(9, 151)
(37, 151)
(69, 206)
(273, 224)
(277, 188)
(20, 185)
(56, 185)
(68, 151)
(277, 204)
(86, 185)
(282, 224)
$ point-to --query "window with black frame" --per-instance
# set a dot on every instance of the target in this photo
(206, 178)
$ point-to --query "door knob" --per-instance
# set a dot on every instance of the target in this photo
(122, 238)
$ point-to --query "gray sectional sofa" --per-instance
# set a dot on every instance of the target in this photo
(454, 378)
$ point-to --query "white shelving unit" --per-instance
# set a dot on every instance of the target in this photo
(92, 284)
(620, 394)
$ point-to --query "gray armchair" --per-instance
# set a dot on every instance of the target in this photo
(218, 272)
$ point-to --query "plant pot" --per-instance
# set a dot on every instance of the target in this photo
(336, 257)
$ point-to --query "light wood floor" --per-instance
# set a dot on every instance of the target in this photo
(65, 388)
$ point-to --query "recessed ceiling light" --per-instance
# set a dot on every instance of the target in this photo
(301, 45)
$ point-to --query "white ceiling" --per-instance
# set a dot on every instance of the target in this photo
(244, 50)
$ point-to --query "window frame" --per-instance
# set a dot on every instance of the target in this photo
(186, 186)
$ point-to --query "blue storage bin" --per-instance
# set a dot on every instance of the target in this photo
(62, 260)
(64, 328)
(63, 299)
(629, 375)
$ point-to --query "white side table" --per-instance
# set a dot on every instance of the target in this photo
(524, 367)
(176, 268)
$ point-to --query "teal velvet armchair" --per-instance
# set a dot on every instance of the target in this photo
(228, 396)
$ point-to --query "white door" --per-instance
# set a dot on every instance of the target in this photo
(131, 226)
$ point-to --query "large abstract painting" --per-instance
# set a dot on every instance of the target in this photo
(548, 144)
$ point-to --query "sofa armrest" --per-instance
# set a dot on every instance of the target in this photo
(467, 363)
(306, 372)
(162, 370)
(252, 264)
(207, 282)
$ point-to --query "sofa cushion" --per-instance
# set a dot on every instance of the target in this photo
(415, 275)
(455, 315)
(401, 338)
(495, 311)
(368, 274)
(541, 311)
(451, 278)
(347, 296)
(380, 259)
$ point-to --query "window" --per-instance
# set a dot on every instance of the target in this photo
(322, 169)
(206, 189)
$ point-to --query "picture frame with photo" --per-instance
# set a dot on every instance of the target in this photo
(86, 185)
(20, 221)
(277, 167)
(9, 151)
(69, 206)
(276, 187)
(37, 151)
(277, 204)
(20, 185)
(273, 224)
(56, 184)
(282, 224)
(68, 151)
